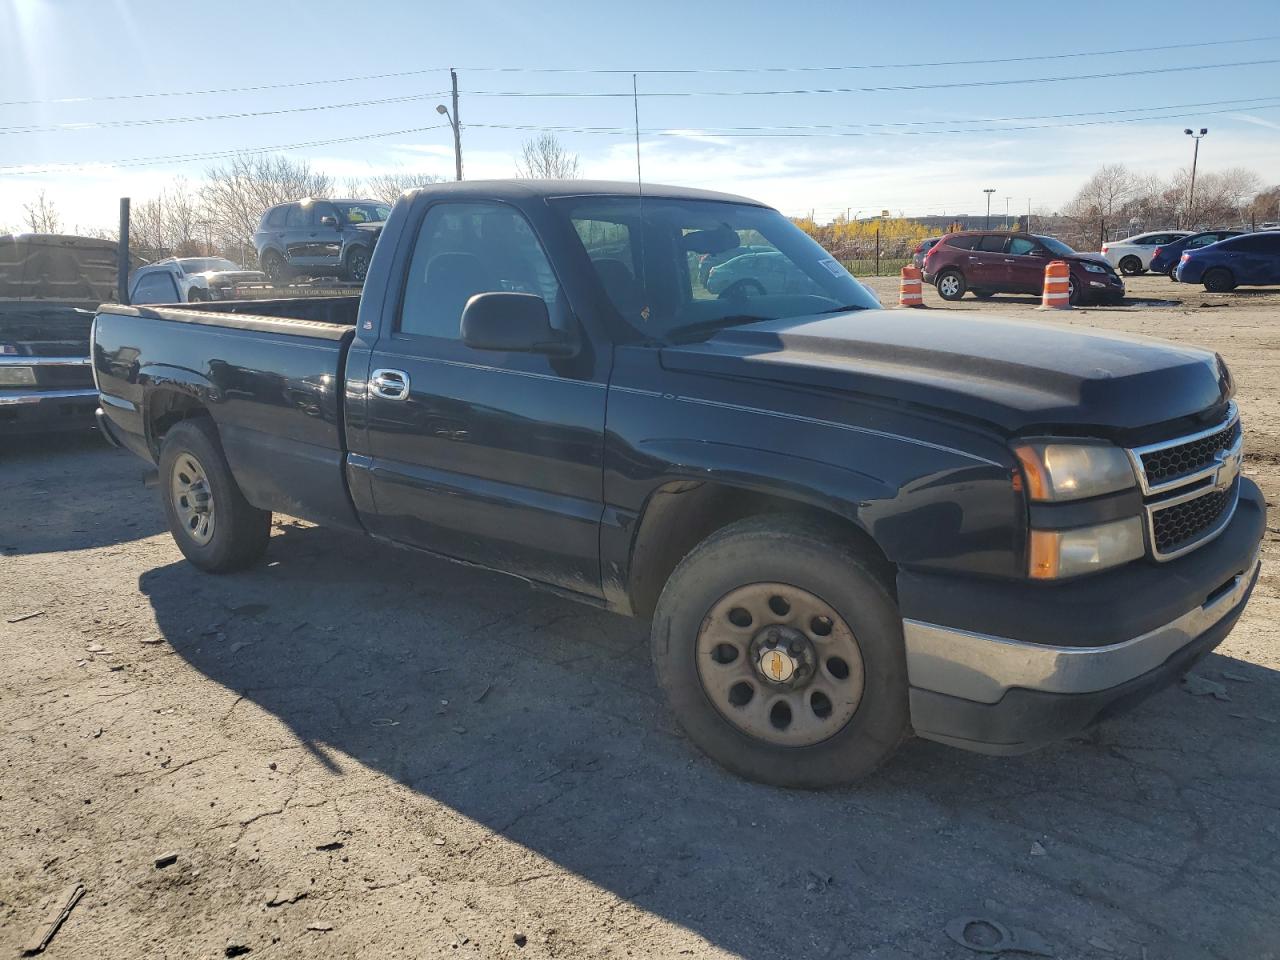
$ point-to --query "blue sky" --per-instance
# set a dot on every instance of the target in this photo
(96, 48)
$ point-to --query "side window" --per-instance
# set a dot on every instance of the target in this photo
(1257, 243)
(967, 242)
(468, 248)
(992, 243)
(319, 210)
(295, 217)
(1022, 247)
(155, 288)
(1204, 241)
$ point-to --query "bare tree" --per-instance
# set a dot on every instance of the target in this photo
(41, 216)
(234, 196)
(545, 158)
(387, 187)
(1265, 207)
(168, 224)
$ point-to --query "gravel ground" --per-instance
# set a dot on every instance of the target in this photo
(356, 751)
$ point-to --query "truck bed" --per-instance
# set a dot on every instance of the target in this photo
(271, 379)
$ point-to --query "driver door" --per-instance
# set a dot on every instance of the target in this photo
(486, 456)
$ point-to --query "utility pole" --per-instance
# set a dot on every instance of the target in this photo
(987, 223)
(457, 125)
(1195, 156)
(1028, 214)
(453, 122)
(1006, 213)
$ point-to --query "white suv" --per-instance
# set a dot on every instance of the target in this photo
(1133, 254)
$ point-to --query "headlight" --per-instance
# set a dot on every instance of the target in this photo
(1056, 554)
(1073, 471)
(17, 376)
(1094, 268)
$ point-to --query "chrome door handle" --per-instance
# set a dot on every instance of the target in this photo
(389, 384)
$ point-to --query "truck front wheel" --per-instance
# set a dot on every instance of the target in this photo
(781, 653)
(215, 527)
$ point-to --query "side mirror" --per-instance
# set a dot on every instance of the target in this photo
(328, 221)
(514, 322)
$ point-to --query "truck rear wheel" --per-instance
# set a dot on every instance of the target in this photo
(215, 527)
(781, 654)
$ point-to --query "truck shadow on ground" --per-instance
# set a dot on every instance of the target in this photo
(71, 491)
(539, 718)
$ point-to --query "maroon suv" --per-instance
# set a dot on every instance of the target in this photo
(990, 261)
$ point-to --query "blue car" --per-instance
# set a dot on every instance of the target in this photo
(1166, 257)
(1252, 260)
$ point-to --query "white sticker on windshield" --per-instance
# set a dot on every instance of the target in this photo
(833, 268)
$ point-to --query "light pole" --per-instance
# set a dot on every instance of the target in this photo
(1006, 212)
(453, 122)
(988, 191)
(1195, 156)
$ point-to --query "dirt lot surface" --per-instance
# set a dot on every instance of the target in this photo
(359, 752)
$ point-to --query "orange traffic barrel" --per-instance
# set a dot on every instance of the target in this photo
(910, 292)
(1057, 286)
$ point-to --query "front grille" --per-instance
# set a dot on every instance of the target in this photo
(1169, 463)
(1184, 523)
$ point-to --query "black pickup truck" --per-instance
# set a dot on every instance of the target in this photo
(846, 524)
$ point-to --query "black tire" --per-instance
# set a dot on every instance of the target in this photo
(355, 266)
(951, 285)
(984, 294)
(741, 289)
(1131, 266)
(779, 550)
(240, 531)
(1073, 292)
(275, 267)
(1218, 280)
(196, 295)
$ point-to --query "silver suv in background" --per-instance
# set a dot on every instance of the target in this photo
(319, 238)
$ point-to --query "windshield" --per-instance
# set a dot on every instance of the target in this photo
(702, 264)
(362, 212)
(205, 264)
(1056, 246)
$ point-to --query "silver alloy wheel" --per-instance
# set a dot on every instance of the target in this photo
(949, 286)
(192, 499)
(780, 664)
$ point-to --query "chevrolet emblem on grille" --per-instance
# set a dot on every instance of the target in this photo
(1228, 463)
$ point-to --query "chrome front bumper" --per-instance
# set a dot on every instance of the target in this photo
(983, 668)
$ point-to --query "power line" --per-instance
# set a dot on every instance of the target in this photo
(258, 88)
(821, 129)
(16, 170)
(895, 88)
(802, 131)
(105, 124)
(158, 121)
(870, 66)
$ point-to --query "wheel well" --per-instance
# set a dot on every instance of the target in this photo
(166, 408)
(681, 514)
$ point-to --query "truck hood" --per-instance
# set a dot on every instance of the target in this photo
(1015, 375)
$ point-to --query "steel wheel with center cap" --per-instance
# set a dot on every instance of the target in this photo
(780, 664)
(215, 527)
(192, 501)
(780, 649)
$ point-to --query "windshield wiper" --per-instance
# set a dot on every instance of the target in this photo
(692, 331)
(845, 309)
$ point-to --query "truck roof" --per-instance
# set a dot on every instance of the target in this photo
(578, 188)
